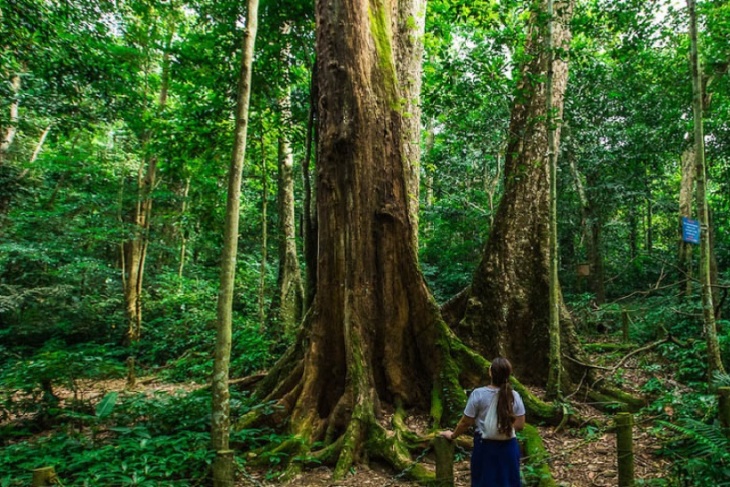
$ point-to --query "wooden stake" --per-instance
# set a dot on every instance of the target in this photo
(625, 449)
(131, 375)
(444, 450)
(625, 325)
(43, 477)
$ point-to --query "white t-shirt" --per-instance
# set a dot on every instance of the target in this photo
(482, 397)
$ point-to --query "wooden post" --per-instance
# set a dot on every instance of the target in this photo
(625, 325)
(625, 449)
(444, 450)
(724, 408)
(43, 477)
(131, 376)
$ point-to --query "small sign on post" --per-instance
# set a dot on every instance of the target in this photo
(690, 230)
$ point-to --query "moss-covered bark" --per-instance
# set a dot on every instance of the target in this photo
(536, 457)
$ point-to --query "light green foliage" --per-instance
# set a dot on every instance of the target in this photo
(701, 451)
(155, 440)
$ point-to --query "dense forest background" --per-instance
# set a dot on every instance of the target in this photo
(116, 131)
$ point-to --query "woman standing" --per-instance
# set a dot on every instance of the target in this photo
(495, 461)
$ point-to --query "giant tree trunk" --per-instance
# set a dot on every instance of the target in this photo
(508, 311)
(373, 335)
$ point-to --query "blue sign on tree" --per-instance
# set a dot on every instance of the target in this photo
(690, 230)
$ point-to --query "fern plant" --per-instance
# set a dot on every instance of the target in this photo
(721, 379)
(701, 452)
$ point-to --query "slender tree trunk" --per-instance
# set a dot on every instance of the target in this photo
(714, 361)
(686, 193)
(7, 134)
(39, 145)
(649, 220)
(591, 228)
(135, 249)
(508, 311)
(221, 407)
(264, 235)
(182, 229)
(633, 230)
(288, 301)
(595, 257)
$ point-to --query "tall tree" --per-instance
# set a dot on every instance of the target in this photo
(714, 361)
(373, 336)
(221, 407)
(134, 249)
(508, 310)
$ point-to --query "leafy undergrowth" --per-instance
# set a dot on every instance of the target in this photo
(157, 434)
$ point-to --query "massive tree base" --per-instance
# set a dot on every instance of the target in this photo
(367, 424)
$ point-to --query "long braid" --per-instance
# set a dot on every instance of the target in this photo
(501, 371)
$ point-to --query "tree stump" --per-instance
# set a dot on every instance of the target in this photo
(625, 449)
(444, 451)
(43, 477)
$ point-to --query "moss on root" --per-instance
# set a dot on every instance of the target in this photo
(536, 456)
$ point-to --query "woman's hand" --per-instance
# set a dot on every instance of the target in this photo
(448, 434)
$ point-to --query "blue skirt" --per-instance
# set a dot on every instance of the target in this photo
(495, 463)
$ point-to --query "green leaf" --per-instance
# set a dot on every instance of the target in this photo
(106, 405)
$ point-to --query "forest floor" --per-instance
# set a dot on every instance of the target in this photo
(582, 456)
(578, 457)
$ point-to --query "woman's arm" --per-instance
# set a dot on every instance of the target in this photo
(519, 423)
(464, 424)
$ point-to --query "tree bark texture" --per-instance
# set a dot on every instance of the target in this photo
(508, 311)
(221, 407)
(408, 27)
(309, 213)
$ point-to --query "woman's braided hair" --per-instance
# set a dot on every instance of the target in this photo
(501, 370)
